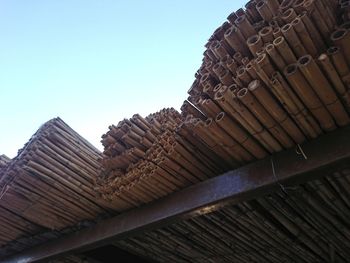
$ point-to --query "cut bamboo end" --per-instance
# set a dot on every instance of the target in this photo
(289, 15)
(323, 89)
(255, 43)
(284, 50)
(267, 34)
(309, 97)
(245, 26)
(341, 38)
(264, 10)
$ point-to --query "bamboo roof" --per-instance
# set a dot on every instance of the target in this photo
(273, 78)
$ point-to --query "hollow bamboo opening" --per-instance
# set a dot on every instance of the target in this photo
(338, 34)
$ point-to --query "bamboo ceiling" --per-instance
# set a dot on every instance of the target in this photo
(307, 223)
(49, 185)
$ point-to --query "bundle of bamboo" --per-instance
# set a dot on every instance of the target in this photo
(128, 142)
(147, 158)
(274, 75)
(4, 160)
(49, 185)
(270, 79)
(269, 70)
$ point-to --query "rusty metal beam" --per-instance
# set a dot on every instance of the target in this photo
(324, 155)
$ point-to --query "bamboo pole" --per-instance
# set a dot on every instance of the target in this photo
(255, 43)
(294, 106)
(309, 97)
(280, 116)
(304, 36)
(266, 34)
(335, 79)
(341, 38)
(323, 89)
(245, 26)
(284, 50)
(264, 10)
(236, 40)
(275, 56)
(261, 114)
(240, 135)
(293, 40)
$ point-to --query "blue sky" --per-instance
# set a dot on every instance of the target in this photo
(94, 63)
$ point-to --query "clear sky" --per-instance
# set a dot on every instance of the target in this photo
(93, 63)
